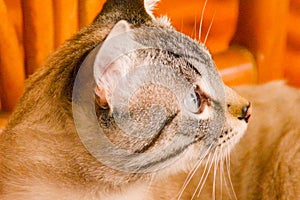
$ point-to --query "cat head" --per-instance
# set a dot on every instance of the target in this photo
(156, 100)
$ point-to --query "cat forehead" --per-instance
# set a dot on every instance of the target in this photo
(169, 40)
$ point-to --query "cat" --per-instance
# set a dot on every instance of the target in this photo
(265, 163)
(126, 101)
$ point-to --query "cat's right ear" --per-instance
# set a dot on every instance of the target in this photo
(110, 63)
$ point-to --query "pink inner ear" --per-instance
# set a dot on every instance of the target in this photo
(100, 92)
(108, 79)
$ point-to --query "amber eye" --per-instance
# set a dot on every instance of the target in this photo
(193, 102)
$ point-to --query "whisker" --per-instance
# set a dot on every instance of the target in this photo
(192, 172)
(224, 174)
(195, 27)
(203, 182)
(205, 168)
(188, 178)
(228, 172)
(209, 28)
(204, 174)
(221, 173)
(201, 20)
(181, 24)
(215, 173)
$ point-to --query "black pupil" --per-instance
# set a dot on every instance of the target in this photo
(197, 100)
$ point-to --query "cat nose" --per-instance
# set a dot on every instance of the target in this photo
(246, 113)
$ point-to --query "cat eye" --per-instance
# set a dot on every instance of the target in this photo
(194, 102)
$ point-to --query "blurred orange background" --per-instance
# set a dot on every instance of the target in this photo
(252, 41)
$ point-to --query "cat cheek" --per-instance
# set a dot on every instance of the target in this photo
(101, 98)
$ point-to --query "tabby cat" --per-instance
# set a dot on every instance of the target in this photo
(125, 102)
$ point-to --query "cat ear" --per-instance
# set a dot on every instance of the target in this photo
(121, 27)
(111, 62)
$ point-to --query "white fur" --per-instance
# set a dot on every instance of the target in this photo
(150, 6)
(164, 20)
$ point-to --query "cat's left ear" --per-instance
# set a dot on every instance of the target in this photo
(111, 62)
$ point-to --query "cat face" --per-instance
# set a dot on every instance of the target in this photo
(159, 100)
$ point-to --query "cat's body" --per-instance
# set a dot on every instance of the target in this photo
(48, 151)
(265, 163)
